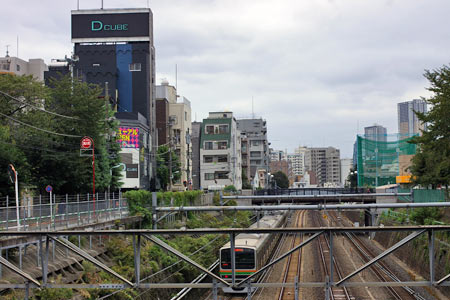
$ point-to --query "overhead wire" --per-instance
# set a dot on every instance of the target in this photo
(37, 128)
(37, 107)
(165, 269)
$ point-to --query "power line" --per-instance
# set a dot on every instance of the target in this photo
(36, 107)
(40, 129)
(37, 148)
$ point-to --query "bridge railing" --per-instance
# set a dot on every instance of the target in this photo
(63, 211)
(313, 191)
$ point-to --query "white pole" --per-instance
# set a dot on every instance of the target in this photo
(17, 201)
(51, 209)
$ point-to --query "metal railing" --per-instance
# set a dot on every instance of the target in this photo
(63, 211)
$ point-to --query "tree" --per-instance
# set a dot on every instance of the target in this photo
(90, 116)
(162, 171)
(431, 164)
(17, 93)
(245, 183)
(40, 131)
(352, 177)
(281, 180)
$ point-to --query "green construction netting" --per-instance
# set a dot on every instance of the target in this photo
(378, 161)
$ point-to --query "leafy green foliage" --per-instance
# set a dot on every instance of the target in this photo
(431, 164)
(230, 188)
(352, 177)
(281, 180)
(163, 162)
(245, 183)
(44, 158)
(426, 215)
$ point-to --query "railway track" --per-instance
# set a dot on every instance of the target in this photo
(379, 269)
(293, 266)
(261, 278)
(336, 293)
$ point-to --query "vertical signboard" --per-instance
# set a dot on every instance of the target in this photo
(128, 137)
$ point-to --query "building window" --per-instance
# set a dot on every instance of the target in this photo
(221, 175)
(255, 143)
(18, 68)
(135, 67)
(209, 176)
(209, 129)
(222, 158)
(208, 146)
(255, 154)
(5, 67)
(223, 129)
(207, 159)
(96, 65)
(222, 145)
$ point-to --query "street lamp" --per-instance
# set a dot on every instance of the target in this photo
(110, 173)
(13, 177)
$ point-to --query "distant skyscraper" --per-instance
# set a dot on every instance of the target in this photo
(376, 133)
(408, 123)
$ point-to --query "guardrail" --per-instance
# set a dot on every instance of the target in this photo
(39, 213)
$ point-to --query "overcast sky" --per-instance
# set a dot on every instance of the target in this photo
(315, 69)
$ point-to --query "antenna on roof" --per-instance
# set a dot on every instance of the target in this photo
(78, 4)
(253, 112)
(102, 4)
(7, 52)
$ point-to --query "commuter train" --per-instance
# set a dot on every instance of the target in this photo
(252, 251)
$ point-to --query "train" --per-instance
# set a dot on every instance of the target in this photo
(252, 251)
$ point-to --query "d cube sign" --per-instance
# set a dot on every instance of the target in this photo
(86, 143)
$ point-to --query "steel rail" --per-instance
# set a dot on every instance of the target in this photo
(367, 255)
(288, 265)
(334, 262)
(268, 272)
(338, 270)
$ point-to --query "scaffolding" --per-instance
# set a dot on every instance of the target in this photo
(381, 159)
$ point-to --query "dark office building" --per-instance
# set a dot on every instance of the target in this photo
(162, 119)
(115, 49)
(56, 70)
(195, 139)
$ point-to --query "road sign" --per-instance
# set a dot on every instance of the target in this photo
(86, 143)
(48, 188)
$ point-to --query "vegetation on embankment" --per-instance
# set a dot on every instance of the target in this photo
(157, 264)
(416, 252)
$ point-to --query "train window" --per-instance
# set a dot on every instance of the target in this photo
(245, 259)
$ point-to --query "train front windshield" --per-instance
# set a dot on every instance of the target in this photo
(245, 258)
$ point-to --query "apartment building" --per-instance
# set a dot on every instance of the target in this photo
(220, 152)
(297, 160)
(196, 128)
(255, 132)
(174, 126)
(325, 163)
(14, 65)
